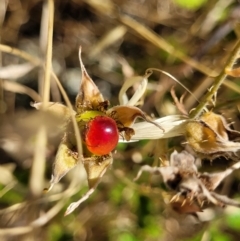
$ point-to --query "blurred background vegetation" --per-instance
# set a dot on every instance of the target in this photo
(120, 38)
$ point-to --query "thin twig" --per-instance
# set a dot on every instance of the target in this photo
(19, 88)
(20, 53)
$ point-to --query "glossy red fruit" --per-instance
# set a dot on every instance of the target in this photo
(101, 135)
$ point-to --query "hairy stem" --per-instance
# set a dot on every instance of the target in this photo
(218, 81)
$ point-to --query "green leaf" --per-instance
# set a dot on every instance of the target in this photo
(233, 221)
(126, 237)
(190, 5)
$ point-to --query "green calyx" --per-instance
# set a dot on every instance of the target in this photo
(87, 115)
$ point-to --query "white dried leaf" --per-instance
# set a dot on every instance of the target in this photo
(173, 125)
(143, 81)
(15, 71)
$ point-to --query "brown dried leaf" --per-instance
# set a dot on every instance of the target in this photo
(201, 138)
(89, 95)
(65, 160)
(95, 167)
(212, 180)
(125, 117)
(192, 188)
(179, 103)
(210, 136)
(186, 184)
(216, 122)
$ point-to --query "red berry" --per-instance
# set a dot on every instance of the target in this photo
(101, 135)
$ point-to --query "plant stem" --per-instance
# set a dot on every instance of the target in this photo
(48, 57)
(218, 81)
(36, 181)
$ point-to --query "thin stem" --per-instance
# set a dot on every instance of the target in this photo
(38, 165)
(20, 53)
(68, 103)
(48, 60)
(218, 81)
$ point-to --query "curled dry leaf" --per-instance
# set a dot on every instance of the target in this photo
(192, 188)
(178, 102)
(210, 136)
(142, 80)
(125, 117)
(219, 125)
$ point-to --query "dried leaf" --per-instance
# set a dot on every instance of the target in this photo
(219, 124)
(173, 125)
(209, 136)
(15, 71)
(125, 117)
(201, 138)
(192, 188)
(89, 95)
(65, 160)
(212, 180)
(179, 103)
(216, 122)
(95, 167)
(143, 81)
